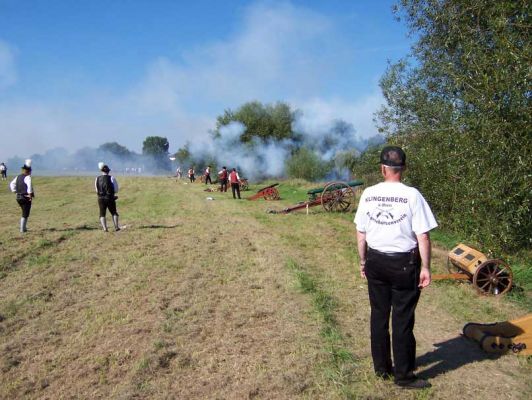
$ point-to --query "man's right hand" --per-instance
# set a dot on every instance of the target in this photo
(424, 278)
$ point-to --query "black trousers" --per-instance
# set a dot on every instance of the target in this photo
(192, 178)
(235, 187)
(223, 185)
(208, 179)
(25, 205)
(393, 286)
(104, 204)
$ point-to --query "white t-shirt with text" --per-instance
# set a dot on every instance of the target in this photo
(391, 214)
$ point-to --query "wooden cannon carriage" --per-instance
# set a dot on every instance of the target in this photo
(489, 276)
(267, 193)
(333, 197)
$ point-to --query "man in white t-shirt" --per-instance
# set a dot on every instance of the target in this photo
(393, 223)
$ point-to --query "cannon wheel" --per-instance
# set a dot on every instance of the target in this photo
(271, 194)
(243, 184)
(337, 197)
(493, 277)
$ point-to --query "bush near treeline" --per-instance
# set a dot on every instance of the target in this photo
(460, 106)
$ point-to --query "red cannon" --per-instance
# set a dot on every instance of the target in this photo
(267, 193)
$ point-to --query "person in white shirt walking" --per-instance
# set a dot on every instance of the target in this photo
(393, 223)
(23, 187)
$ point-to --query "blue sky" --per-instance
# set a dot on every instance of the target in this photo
(82, 73)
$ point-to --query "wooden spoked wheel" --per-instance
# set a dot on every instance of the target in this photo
(271, 194)
(493, 277)
(337, 197)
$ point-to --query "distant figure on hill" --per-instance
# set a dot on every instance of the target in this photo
(178, 173)
(222, 176)
(3, 171)
(191, 174)
(22, 186)
(106, 187)
(235, 183)
(208, 175)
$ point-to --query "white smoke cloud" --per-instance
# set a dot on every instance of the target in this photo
(319, 114)
(255, 159)
(8, 72)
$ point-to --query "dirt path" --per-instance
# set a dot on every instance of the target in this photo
(195, 300)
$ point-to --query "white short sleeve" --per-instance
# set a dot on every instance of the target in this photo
(422, 218)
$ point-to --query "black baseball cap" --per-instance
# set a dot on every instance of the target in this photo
(393, 156)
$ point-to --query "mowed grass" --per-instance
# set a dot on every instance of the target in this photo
(201, 298)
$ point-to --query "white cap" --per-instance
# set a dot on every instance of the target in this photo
(27, 163)
(100, 165)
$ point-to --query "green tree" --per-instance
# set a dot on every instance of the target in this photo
(156, 149)
(115, 149)
(264, 122)
(306, 164)
(460, 105)
(183, 154)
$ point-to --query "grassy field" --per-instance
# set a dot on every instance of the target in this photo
(215, 299)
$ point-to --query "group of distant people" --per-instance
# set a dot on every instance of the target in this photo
(224, 178)
(106, 187)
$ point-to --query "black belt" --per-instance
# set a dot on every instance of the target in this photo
(393, 254)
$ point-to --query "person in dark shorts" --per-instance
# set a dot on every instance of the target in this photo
(23, 187)
(107, 187)
(3, 171)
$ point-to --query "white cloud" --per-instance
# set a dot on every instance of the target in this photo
(8, 73)
(276, 52)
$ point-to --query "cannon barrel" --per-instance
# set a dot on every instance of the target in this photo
(502, 337)
(267, 193)
(268, 187)
(314, 192)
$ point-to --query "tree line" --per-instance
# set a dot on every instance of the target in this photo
(153, 159)
(459, 104)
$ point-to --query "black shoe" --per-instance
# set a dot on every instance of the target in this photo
(384, 375)
(416, 383)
